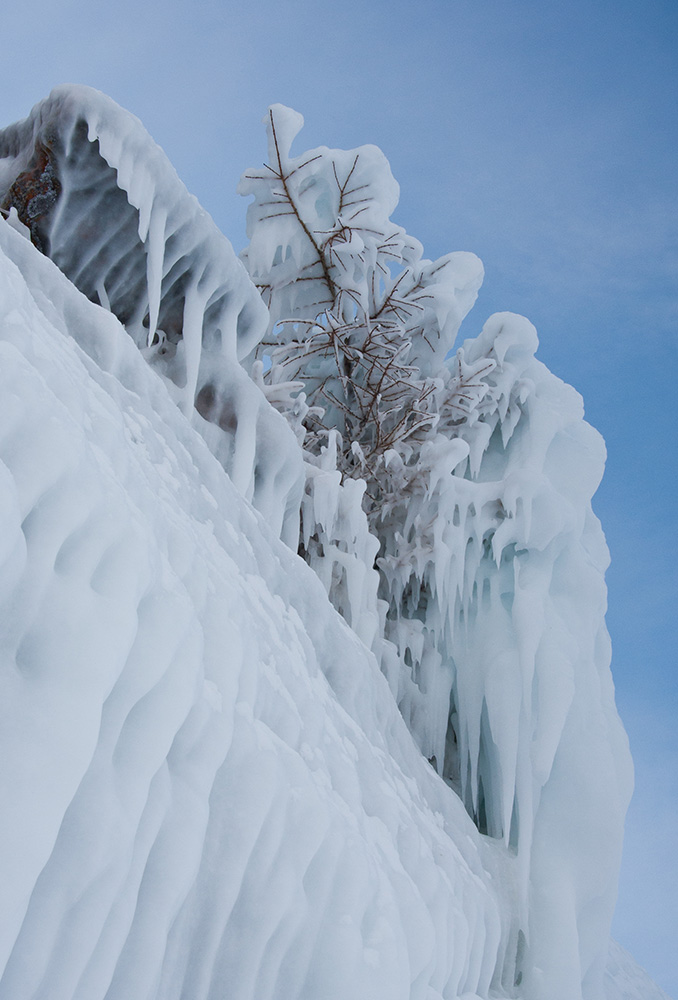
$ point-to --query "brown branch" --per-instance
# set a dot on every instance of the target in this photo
(326, 274)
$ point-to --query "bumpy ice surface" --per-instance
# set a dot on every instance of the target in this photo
(209, 787)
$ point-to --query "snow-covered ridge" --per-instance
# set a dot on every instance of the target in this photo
(102, 200)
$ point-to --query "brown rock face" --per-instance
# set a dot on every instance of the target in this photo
(34, 194)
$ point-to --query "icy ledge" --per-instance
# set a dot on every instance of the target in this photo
(100, 198)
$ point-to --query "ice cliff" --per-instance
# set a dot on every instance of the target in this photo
(214, 785)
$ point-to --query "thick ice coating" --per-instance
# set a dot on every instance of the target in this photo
(396, 773)
(211, 790)
(101, 199)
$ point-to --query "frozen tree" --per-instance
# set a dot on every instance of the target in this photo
(368, 347)
(362, 324)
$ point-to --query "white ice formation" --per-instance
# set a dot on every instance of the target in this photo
(208, 787)
(101, 198)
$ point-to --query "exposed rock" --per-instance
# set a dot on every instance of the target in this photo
(35, 193)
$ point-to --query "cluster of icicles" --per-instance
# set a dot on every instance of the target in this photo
(130, 237)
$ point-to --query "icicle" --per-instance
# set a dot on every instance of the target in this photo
(103, 297)
(155, 251)
(192, 341)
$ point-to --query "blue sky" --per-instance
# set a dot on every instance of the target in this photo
(542, 135)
